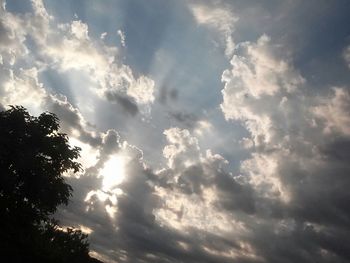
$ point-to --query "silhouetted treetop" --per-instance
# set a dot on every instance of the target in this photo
(33, 157)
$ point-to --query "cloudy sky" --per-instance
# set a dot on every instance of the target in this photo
(211, 130)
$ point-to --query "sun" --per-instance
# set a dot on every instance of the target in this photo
(113, 172)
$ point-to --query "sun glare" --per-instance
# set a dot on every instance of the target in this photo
(113, 172)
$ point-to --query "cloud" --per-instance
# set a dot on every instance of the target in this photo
(284, 177)
(219, 18)
(183, 148)
(346, 55)
(72, 121)
(187, 119)
(11, 38)
(335, 111)
(216, 17)
(294, 156)
(121, 34)
(67, 47)
(126, 102)
(196, 172)
(151, 216)
(22, 88)
(166, 95)
(256, 83)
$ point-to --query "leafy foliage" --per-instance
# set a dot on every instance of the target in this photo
(57, 245)
(33, 158)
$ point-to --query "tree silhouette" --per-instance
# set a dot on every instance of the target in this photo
(33, 157)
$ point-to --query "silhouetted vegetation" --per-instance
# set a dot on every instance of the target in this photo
(33, 158)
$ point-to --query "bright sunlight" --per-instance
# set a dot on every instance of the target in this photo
(113, 172)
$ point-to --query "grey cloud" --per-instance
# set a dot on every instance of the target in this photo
(134, 234)
(167, 95)
(71, 119)
(111, 142)
(4, 35)
(187, 120)
(299, 242)
(126, 102)
(234, 196)
(192, 179)
(336, 151)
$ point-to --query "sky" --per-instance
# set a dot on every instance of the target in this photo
(210, 130)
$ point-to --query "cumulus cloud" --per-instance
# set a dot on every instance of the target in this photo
(179, 211)
(289, 186)
(73, 123)
(67, 47)
(201, 196)
(12, 38)
(22, 88)
(257, 82)
(181, 142)
(295, 153)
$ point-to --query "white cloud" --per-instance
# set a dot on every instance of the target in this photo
(297, 139)
(142, 90)
(190, 202)
(262, 173)
(12, 39)
(100, 62)
(258, 71)
(121, 34)
(335, 111)
(103, 35)
(182, 150)
(214, 16)
(79, 30)
(88, 154)
(217, 18)
(68, 46)
(255, 85)
(23, 88)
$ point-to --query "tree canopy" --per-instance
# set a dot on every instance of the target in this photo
(34, 155)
